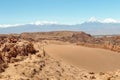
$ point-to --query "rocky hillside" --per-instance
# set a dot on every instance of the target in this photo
(58, 35)
(80, 38)
(110, 43)
(24, 60)
(11, 48)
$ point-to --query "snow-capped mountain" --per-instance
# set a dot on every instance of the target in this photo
(93, 26)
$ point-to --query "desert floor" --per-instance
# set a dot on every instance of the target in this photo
(92, 59)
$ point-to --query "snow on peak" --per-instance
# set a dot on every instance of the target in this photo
(93, 19)
(107, 20)
(110, 20)
(44, 22)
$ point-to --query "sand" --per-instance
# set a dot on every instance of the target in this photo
(92, 59)
(63, 62)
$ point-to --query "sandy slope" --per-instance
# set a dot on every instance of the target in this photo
(93, 59)
(41, 66)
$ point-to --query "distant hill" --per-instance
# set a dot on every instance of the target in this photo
(94, 28)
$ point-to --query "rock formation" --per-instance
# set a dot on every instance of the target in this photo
(11, 48)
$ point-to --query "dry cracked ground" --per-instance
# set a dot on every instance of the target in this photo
(24, 58)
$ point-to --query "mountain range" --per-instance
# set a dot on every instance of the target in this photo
(94, 28)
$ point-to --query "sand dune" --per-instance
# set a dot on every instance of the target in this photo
(93, 59)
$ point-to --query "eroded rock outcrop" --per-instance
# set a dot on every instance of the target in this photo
(11, 48)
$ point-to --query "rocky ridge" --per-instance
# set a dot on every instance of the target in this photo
(80, 38)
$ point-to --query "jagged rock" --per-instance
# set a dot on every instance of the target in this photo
(12, 48)
(12, 39)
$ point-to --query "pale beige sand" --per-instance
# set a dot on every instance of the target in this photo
(93, 59)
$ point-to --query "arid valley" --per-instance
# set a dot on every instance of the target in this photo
(59, 39)
(59, 55)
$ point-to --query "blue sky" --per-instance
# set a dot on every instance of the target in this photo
(62, 11)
